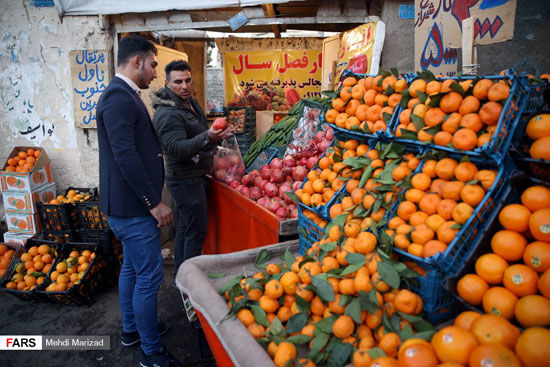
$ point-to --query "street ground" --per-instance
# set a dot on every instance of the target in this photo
(18, 317)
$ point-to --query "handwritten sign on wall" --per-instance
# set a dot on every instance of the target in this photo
(90, 75)
(248, 73)
(438, 29)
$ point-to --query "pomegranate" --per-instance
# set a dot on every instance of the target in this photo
(289, 162)
(257, 180)
(220, 173)
(263, 201)
(282, 212)
(234, 184)
(220, 163)
(311, 161)
(299, 173)
(219, 124)
(276, 175)
(274, 205)
(330, 134)
(262, 183)
(303, 161)
(294, 213)
(270, 189)
(253, 174)
(296, 185)
(319, 136)
(255, 193)
(265, 171)
(246, 180)
(276, 163)
(244, 190)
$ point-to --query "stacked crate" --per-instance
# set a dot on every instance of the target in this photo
(21, 192)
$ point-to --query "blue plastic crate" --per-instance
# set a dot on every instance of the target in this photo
(511, 194)
(498, 145)
(533, 92)
(308, 232)
(463, 244)
(264, 157)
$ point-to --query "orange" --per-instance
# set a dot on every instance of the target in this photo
(421, 181)
(331, 114)
(384, 362)
(422, 234)
(537, 256)
(268, 304)
(500, 301)
(406, 209)
(472, 121)
(450, 102)
(533, 310)
(414, 195)
(285, 352)
(416, 86)
(288, 282)
(538, 126)
(361, 358)
(466, 318)
(462, 212)
(481, 88)
(494, 355)
(272, 269)
(540, 149)
(491, 268)
(405, 301)
(498, 92)
(532, 347)
(486, 177)
(464, 139)
(472, 288)
(338, 104)
(434, 116)
(446, 233)
(442, 138)
(520, 280)
(515, 217)
(450, 125)
(349, 81)
(433, 247)
(389, 343)
(433, 87)
(445, 168)
(454, 344)
(536, 197)
(489, 113)
(470, 104)
(490, 328)
(418, 355)
(509, 245)
(246, 317)
(452, 189)
(539, 224)
(446, 207)
(343, 326)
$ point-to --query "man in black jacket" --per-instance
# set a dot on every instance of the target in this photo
(131, 180)
(189, 147)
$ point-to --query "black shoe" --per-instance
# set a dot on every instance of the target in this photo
(159, 359)
(129, 339)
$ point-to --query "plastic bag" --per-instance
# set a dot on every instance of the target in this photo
(307, 126)
(228, 162)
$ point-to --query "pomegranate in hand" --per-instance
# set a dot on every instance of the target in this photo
(219, 124)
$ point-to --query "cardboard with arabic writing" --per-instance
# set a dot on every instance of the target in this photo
(26, 201)
(19, 238)
(360, 49)
(438, 29)
(23, 222)
(90, 75)
(259, 78)
(40, 174)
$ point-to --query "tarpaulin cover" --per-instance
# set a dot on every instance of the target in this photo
(193, 280)
(99, 7)
(236, 223)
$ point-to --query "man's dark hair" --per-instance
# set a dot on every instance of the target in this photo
(179, 65)
(134, 45)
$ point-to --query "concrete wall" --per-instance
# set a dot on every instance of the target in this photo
(214, 85)
(35, 88)
(531, 40)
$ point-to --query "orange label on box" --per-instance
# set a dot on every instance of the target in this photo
(23, 222)
(19, 238)
(16, 200)
(28, 182)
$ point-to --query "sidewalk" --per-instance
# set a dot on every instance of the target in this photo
(18, 317)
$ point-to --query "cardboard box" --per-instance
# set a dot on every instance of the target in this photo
(40, 175)
(23, 222)
(19, 238)
(264, 121)
(15, 200)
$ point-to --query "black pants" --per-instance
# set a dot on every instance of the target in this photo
(191, 217)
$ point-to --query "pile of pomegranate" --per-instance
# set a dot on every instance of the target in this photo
(269, 185)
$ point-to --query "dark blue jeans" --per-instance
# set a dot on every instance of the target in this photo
(191, 216)
(140, 277)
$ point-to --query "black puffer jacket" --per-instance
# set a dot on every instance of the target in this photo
(183, 135)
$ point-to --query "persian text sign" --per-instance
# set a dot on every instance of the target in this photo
(90, 77)
(357, 49)
(273, 69)
(438, 29)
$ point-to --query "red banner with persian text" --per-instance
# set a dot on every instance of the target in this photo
(261, 79)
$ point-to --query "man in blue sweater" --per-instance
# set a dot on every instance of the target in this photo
(131, 180)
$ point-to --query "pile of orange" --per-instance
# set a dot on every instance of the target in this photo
(315, 218)
(514, 279)
(442, 198)
(23, 161)
(323, 183)
(72, 197)
(463, 121)
(538, 130)
(6, 255)
(70, 271)
(363, 103)
(33, 268)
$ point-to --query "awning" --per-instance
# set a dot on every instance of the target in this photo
(105, 7)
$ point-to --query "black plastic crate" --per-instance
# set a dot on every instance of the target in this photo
(60, 236)
(106, 241)
(30, 295)
(90, 216)
(17, 251)
(245, 141)
(62, 217)
(241, 119)
(93, 279)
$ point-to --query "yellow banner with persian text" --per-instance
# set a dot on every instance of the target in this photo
(260, 78)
